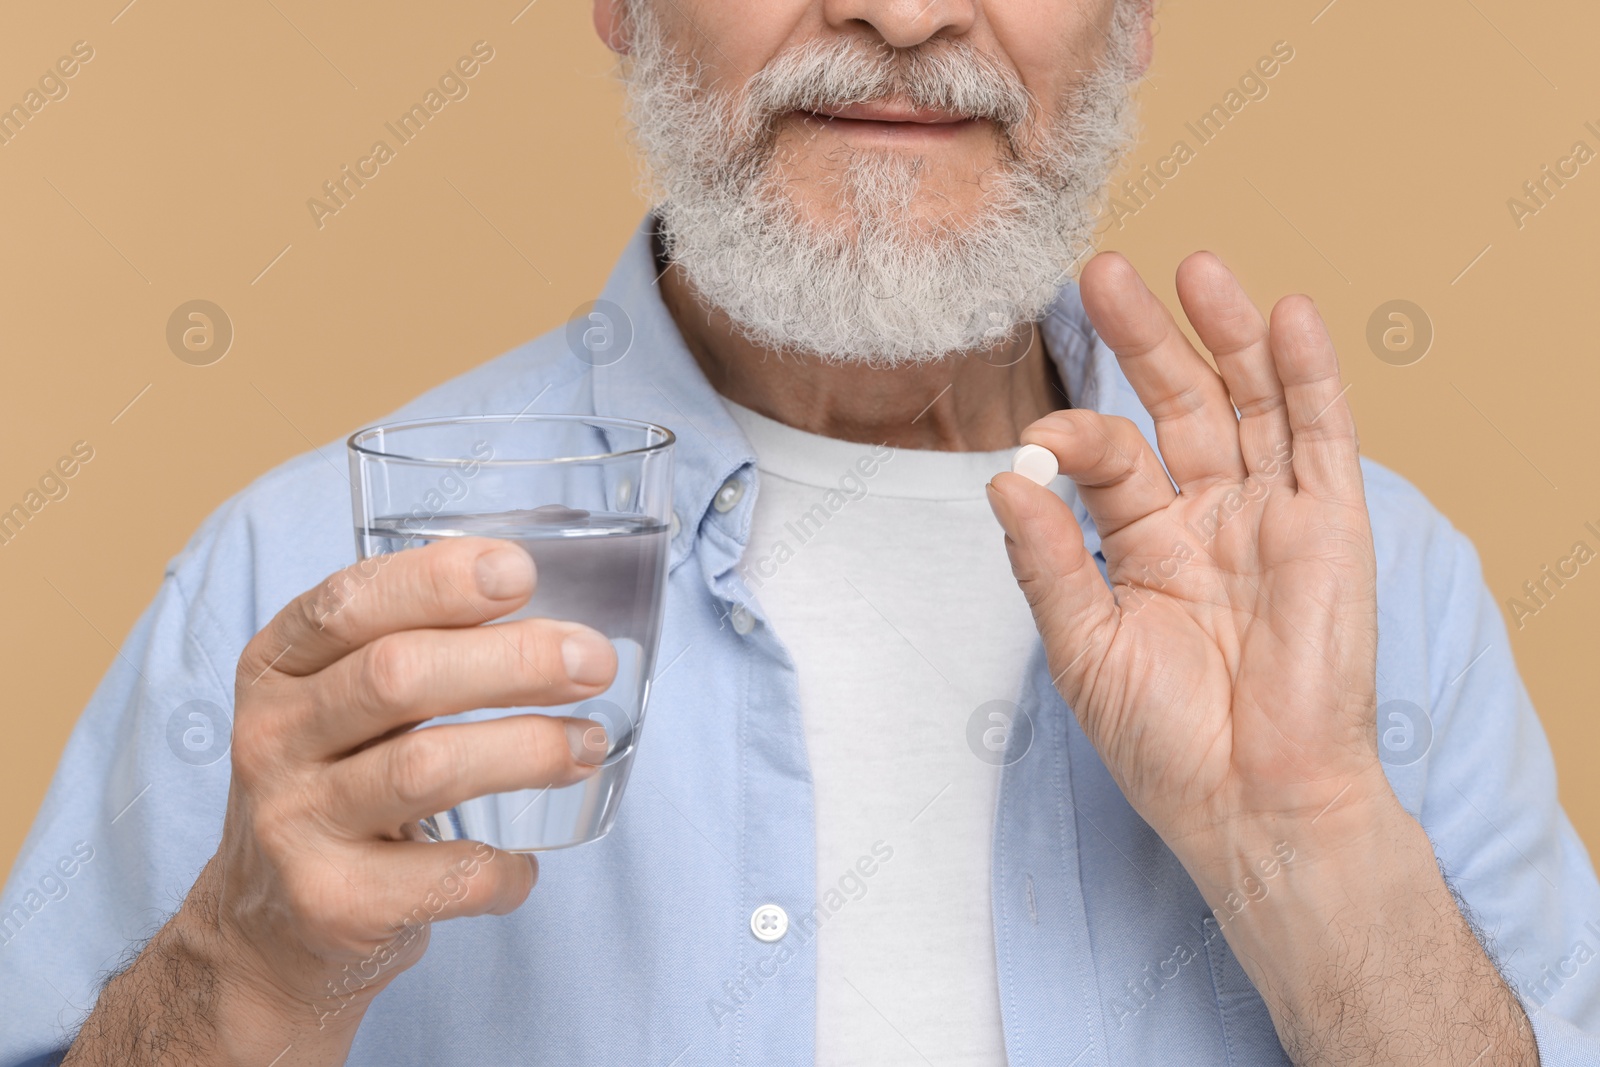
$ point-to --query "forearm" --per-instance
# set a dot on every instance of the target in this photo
(186, 1000)
(1359, 949)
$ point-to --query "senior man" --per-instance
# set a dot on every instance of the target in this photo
(1135, 815)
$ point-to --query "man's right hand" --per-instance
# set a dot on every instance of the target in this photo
(321, 889)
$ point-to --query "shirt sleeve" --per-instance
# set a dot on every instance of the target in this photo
(1483, 784)
(132, 814)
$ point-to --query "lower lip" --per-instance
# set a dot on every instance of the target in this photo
(890, 131)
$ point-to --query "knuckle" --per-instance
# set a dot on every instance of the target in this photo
(537, 649)
(461, 884)
(1242, 323)
(1185, 400)
(323, 609)
(388, 674)
(264, 732)
(1257, 406)
(1118, 447)
(543, 745)
(315, 903)
(421, 764)
(253, 668)
(446, 572)
(311, 889)
(501, 886)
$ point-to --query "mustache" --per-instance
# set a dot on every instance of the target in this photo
(945, 74)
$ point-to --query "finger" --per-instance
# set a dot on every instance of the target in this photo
(1195, 424)
(1071, 603)
(455, 582)
(1326, 459)
(1237, 337)
(1117, 474)
(423, 772)
(403, 678)
(412, 884)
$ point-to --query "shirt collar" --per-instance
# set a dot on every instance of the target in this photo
(658, 380)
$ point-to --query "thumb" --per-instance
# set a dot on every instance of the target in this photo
(1072, 605)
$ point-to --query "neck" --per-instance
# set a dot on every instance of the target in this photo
(976, 401)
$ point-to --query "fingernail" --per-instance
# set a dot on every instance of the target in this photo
(587, 741)
(997, 505)
(587, 657)
(1035, 463)
(504, 572)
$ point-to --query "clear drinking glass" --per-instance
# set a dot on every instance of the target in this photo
(590, 499)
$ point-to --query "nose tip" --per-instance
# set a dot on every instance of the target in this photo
(905, 23)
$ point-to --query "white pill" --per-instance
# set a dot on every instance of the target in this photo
(1035, 463)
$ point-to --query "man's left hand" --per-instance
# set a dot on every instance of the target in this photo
(1227, 674)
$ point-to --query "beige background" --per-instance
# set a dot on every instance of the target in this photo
(178, 168)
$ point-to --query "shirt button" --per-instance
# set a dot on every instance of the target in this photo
(769, 922)
(728, 496)
(674, 527)
(743, 621)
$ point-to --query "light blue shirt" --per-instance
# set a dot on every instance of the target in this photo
(638, 949)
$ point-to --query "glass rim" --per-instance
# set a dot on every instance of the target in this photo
(355, 443)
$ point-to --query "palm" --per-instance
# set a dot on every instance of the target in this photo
(1232, 661)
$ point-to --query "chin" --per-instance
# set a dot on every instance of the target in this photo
(825, 203)
(921, 223)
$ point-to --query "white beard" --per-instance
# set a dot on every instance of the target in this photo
(882, 286)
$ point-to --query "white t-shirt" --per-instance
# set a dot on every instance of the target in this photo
(884, 573)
